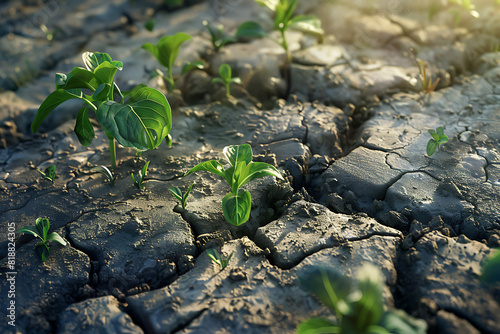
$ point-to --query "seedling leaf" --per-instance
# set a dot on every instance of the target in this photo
(250, 29)
(236, 208)
(237, 153)
(398, 321)
(83, 128)
(194, 65)
(307, 24)
(106, 172)
(150, 24)
(176, 192)
(57, 238)
(50, 103)
(212, 166)
(317, 326)
(49, 173)
(30, 230)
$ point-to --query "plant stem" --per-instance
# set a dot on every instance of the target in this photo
(228, 90)
(285, 46)
(112, 152)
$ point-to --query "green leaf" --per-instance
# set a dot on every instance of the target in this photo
(142, 122)
(307, 24)
(49, 173)
(83, 128)
(442, 139)
(236, 208)
(434, 135)
(42, 226)
(177, 193)
(283, 12)
(271, 4)
(317, 326)
(236, 153)
(144, 171)
(133, 91)
(51, 102)
(185, 197)
(93, 59)
(153, 49)
(194, 65)
(78, 78)
(250, 29)
(212, 166)
(399, 322)
(105, 73)
(225, 72)
(218, 80)
(30, 230)
(440, 131)
(254, 170)
(214, 255)
(150, 24)
(101, 93)
(106, 172)
(167, 49)
(491, 269)
(56, 238)
(431, 147)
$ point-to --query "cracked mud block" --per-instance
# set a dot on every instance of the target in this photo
(42, 290)
(442, 273)
(99, 315)
(131, 243)
(363, 171)
(249, 296)
(306, 228)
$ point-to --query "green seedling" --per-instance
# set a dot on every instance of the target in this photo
(237, 204)
(41, 230)
(166, 52)
(357, 304)
(182, 198)
(106, 172)
(188, 67)
(427, 85)
(438, 138)
(217, 258)
(283, 20)
(141, 122)
(225, 78)
(150, 24)
(139, 182)
(491, 269)
(49, 173)
(247, 29)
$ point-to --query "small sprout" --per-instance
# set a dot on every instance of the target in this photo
(225, 78)
(191, 66)
(106, 172)
(427, 85)
(438, 138)
(41, 230)
(491, 269)
(217, 258)
(217, 36)
(150, 24)
(49, 173)
(139, 182)
(166, 52)
(180, 196)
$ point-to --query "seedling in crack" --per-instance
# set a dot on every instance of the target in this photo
(427, 85)
(225, 78)
(218, 259)
(49, 173)
(357, 304)
(166, 52)
(283, 20)
(106, 172)
(139, 182)
(41, 230)
(438, 138)
(237, 204)
(182, 198)
(141, 122)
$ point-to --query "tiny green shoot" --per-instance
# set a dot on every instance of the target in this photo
(49, 173)
(166, 52)
(237, 204)
(248, 29)
(106, 172)
(218, 259)
(438, 138)
(182, 198)
(225, 78)
(150, 24)
(41, 230)
(427, 85)
(139, 182)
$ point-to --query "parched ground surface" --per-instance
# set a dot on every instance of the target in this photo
(345, 123)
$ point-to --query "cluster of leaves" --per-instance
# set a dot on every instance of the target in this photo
(247, 29)
(438, 138)
(283, 20)
(182, 198)
(139, 181)
(49, 173)
(237, 204)
(218, 259)
(226, 79)
(142, 122)
(41, 230)
(357, 304)
(427, 85)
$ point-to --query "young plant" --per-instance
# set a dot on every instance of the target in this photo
(182, 198)
(217, 258)
(237, 204)
(427, 85)
(358, 305)
(150, 24)
(225, 78)
(438, 138)
(491, 269)
(41, 230)
(283, 20)
(106, 172)
(139, 182)
(49, 173)
(166, 52)
(246, 29)
(141, 122)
